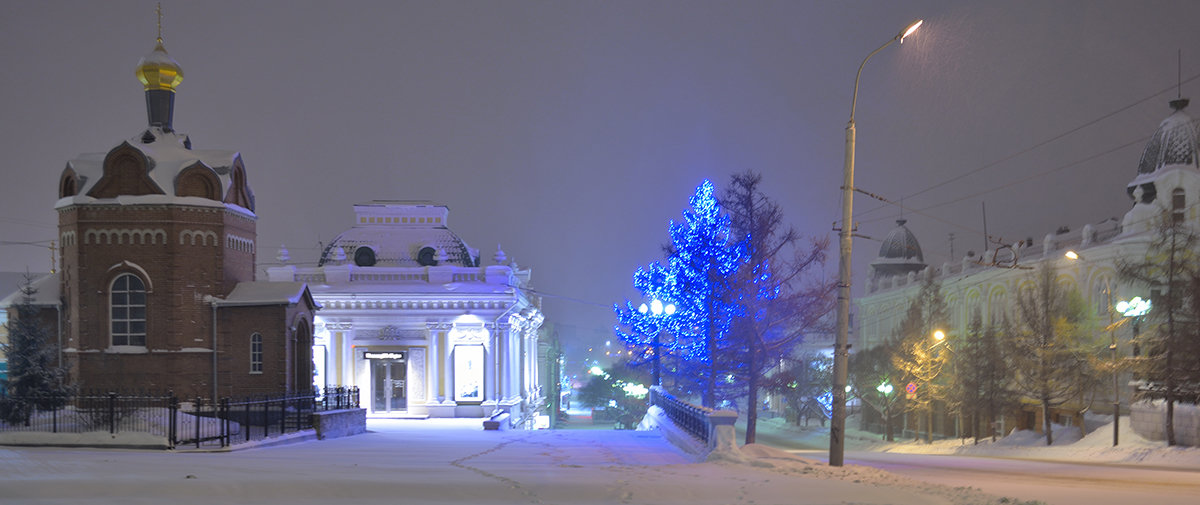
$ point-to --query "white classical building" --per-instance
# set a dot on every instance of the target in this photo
(1167, 182)
(410, 316)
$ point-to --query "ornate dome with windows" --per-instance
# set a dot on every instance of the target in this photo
(1175, 142)
(1167, 177)
(399, 234)
(899, 254)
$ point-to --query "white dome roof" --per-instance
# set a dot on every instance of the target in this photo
(1175, 142)
(400, 234)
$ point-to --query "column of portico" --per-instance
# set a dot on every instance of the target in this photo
(440, 400)
(530, 356)
(497, 362)
(506, 374)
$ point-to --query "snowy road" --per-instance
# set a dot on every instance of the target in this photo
(452, 463)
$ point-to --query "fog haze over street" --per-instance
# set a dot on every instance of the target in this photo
(570, 133)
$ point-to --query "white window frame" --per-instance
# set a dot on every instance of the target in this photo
(256, 353)
(126, 307)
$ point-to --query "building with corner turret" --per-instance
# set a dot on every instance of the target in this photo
(1166, 183)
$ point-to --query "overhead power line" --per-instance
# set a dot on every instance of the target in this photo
(1036, 146)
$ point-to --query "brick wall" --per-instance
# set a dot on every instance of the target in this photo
(183, 254)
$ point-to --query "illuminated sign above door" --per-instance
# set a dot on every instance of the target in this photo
(384, 355)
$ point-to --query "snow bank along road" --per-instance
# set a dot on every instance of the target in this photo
(456, 462)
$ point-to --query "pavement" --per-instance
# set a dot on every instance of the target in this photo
(451, 461)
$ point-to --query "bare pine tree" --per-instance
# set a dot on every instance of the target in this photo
(1050, 358)
(780, 290)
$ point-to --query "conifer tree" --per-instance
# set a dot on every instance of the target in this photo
(1171, 269)
(34, 382)
(982, 388)
(875, 381)
(698, 279)
(1050, 355)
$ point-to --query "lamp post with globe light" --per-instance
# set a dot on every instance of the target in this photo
(841, 348)
(885, 389)
(1134, 308)
(1131, 308)
(658, 310)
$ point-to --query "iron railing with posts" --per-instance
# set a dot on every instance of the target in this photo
(691, 418)
(193, 422)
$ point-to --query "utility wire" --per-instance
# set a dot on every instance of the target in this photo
(922, 210)
(1038, 146)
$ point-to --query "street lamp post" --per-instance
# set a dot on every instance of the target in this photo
(841, 348)
(658, 309)
(1108, 303)
(940, 339)
(1135, 308)
(885, 389)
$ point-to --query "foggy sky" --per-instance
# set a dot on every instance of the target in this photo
(572, 132)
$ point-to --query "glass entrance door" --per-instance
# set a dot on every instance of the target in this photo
(387, 381)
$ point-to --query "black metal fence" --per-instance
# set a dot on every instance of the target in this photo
(196, 422)
(691, 418)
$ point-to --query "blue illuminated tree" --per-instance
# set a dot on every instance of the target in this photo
(699, 279)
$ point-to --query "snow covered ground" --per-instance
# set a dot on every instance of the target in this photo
(1069, 444)
(450, 461)
(456, 462)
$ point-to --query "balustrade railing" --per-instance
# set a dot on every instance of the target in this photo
(691, 418)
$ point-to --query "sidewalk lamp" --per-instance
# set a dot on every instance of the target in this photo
(841, 348)
(658, 310)
(885, 389)
(1112, 347)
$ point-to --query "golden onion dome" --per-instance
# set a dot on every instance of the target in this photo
(157, 70)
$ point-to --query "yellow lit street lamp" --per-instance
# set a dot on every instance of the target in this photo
(841, 348)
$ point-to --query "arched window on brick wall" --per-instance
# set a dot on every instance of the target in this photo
(127, 311)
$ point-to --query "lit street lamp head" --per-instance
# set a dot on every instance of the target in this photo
(657, 308)
(910, 29)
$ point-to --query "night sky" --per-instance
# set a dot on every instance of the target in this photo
(571, 132)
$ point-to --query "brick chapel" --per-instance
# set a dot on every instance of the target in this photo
(156, 289)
